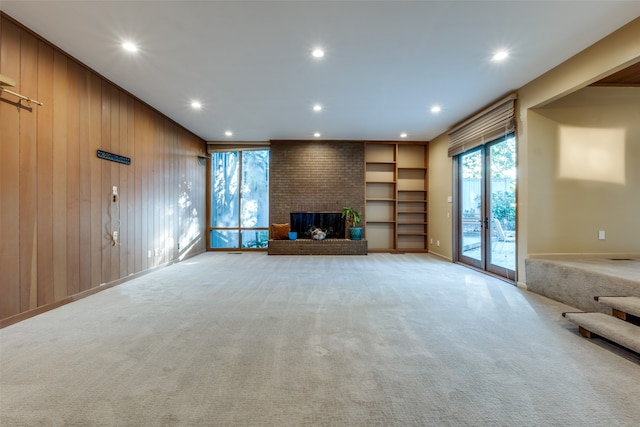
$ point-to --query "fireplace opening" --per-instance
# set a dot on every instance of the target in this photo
(304, 223)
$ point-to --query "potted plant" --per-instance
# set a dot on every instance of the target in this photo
(352, 219)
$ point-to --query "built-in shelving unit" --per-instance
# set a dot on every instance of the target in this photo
(396, 196)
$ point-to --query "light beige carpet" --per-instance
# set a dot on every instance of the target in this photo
(252, 340)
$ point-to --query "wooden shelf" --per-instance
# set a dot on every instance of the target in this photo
(380, 173)
(380, 153)
(411, 212)
(396, 189)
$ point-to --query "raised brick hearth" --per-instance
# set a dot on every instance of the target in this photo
(317, 247)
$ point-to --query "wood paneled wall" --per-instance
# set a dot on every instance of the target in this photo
(57, 214)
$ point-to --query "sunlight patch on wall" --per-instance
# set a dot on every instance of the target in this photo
(592, 154)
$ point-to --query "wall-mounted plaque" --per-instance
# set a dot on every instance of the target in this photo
(114, 157)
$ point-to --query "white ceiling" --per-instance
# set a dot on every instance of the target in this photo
(386, 62)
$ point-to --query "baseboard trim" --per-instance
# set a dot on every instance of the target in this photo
(605, 255)
(441, 256)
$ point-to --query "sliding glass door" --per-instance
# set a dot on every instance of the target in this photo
(239, 200)
(486, 206)
(502, 207)
(471, 200)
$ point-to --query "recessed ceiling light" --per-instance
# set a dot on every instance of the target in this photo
(316, 134)
(500, 55)
(403, 135)
(317, 53)
(130, 47)
(435, 109)
(228, 133)
(317, 107)
(196, 105)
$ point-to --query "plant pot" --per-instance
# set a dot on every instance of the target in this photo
(355, 233)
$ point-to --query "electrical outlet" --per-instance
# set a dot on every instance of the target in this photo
(601, 235)
(437, 242)
(431, 241)
(115, 190)
(115, 236)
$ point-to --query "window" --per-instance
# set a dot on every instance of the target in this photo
(239, 200)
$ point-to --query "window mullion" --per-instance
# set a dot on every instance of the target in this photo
(240, 185)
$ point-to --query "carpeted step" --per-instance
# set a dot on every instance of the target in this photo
(628, 305)
(609, 327)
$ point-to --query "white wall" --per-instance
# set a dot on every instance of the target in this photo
(584, 174)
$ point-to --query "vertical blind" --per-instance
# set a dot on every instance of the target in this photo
(491, 123)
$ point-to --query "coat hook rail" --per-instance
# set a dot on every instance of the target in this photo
(22, 97)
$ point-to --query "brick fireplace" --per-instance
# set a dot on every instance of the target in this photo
(315, 176)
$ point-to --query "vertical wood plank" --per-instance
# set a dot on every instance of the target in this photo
(152, 196)
(157, 189)
(59, 189)
(161, 227)
(84, 172)
(45, 175)
(153, 189)
(175, 184)
(156, 193)
(73, 178)
(173, 177)
(28, 172)
(132, 196)
(124, 185)
(180, 196)
(199, 177)
(105, 188)
(148, 190)
(9, 176)
(141, 248)
(114, 207)
(95, 133)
